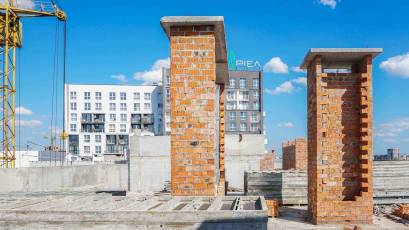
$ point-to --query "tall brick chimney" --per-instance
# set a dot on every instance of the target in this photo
(340, 134)
(198, 73)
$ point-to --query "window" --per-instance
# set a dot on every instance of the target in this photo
(122, 128)
(73, 117)
(87, 139)
(147, 96)
(231, 105)
(256, 105)
(98, 96)
(136, 106)
(73, 95)
(97, 138)
(112, 96)
(123, 106)
(242, 83)
(254, 117)
(112, 106)
(244, 95)
(232, 83)
(87, 150)
(73, 106)
(232, 116)
(244, 105)
(254, 127)
(98, 106)
(73, 127)
(256, 95)
(255, 83)
(122, 96)
(243, 127)
(136, 96)
(123, 117)
(87, 106)
(98, 149)
(147, 106)
(87, 95)
(112, 117)
(112, 128)
(231, 95)
(243, 116)
(232, 126)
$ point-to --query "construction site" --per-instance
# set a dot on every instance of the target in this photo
(201, 174)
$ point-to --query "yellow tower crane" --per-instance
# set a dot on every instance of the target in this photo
(11, 11)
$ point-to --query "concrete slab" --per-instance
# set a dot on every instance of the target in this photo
(132, 212)
(338, 55)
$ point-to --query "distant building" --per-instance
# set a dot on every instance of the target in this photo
(243, 102)
(99, 118)
(393, 153)
(295, 155)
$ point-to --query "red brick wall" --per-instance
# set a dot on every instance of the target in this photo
(339, 145)
(267, 162)
(193, 110)
(295, 154)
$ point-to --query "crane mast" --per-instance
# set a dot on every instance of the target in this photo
(11, 11)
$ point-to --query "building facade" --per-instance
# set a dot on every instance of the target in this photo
(244, 102)
(393, 153)
(295, 154)
(99, 118)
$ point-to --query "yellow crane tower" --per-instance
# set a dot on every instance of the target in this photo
(11, 11)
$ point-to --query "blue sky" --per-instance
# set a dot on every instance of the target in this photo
(110, 43)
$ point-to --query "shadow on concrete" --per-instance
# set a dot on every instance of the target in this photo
(293, 214)
(259, 223)
(113, 193)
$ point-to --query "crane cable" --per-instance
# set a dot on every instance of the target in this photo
(54, 88)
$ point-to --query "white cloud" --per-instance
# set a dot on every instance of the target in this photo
(29, 123)
(288, 87)
(331, 3)
(23, 111)
(155, 73)
(392, 129)
(276, 65)
(300, 80)
(397, 65)
(286, 125)
(26, 4)
(297, 69)
(120, 77)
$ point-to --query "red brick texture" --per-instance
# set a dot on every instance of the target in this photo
(295, 154)
(193, 98)
(402, 211)
(340, 144)
(267, 162)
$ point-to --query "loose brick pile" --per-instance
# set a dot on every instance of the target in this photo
(193, 93)
(402, 211)
(267, 162)
(339, 144)
(295, 154)
(272, 206)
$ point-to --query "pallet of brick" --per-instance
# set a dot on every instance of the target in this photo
(272, 206)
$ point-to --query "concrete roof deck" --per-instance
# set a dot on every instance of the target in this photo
(334, 57)
(218, 22)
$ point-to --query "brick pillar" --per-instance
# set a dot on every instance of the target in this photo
(193, 110)
(339, 144)
(221, 189)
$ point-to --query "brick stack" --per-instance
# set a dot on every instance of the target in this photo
(267, 162)
(339, 144)
(295, 154)
(193, 98)
(402, 211)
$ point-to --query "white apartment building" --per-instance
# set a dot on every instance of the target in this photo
(99, 118)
